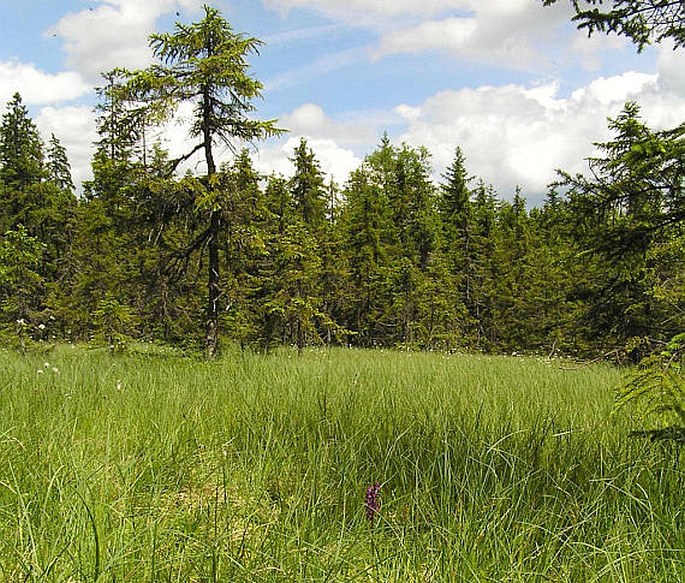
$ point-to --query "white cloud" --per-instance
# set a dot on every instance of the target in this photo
(115, 34)
(509, 136)
(74, 126)
(520, 34)
(336, 161)
(478, 39)
(661, 109)
(591, 50)
(353, 9)
(452, 34)
(39, 87)
(310, 120)
(335, 142)
(616, 89)
(513, 135)
(462, 26)
(672, 68)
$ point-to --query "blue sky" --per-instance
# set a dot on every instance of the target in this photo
(509, 81)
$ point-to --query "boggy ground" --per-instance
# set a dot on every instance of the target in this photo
(155, 467)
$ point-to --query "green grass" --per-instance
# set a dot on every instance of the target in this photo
(152, 467)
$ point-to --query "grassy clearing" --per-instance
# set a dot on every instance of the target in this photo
(149, 467)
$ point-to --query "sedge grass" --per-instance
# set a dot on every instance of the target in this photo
(152, 467)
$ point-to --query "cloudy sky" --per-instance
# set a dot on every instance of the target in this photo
(511, 82)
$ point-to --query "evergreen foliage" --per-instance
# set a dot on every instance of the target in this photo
(390, 258)
(204, 64)
(642, 21)
(631, 211)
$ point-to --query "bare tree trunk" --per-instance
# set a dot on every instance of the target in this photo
(214, 292)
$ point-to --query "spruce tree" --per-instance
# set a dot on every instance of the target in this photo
(21, 166)
(21, 147)
(307, 187)
(58, 167)
(627, 212)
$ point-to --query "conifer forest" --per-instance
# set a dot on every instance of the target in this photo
(391, 258)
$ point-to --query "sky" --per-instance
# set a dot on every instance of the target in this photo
(512, 83)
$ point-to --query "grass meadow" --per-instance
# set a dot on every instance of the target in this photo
(151, 467)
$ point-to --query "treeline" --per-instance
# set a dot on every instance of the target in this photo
(388, 259)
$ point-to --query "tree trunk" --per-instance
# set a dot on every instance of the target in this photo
(214, 292)
(212, 337)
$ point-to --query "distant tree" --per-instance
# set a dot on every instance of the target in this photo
(290, 273)
(33, 201)
(455, 200)
(307, 187)
(642, 21)
(21, 284)
(122, 124)
(404, 174)
(316, 207)
(21, 166)
(483, 249)
(334, 268)
(58, 167)
(515, 315)
(455, 210)
(554, 269)
(368, 234)
(21, 148)
(244, 244)
(391, 231)
(112, 250)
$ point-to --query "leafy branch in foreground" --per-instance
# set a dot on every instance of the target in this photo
(657, 388)
(642, 21)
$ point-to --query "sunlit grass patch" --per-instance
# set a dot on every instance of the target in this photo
(257, 467)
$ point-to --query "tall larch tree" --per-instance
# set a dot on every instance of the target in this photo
(206, 64)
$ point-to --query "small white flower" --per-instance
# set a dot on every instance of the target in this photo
(55, 369)
(39, 371)
(41, 326)
(21, 321)
(46, 365)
